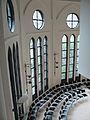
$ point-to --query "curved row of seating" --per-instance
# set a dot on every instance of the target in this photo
(53, 97)
(67, 97)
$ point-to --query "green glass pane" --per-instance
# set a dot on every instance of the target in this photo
(64, 46)
(38, 51)
(39, 77)
(63, 61)
(63, 54)
(63, 68)
(32, 63)
(72, 38)
(33, 81)
(71, 45)
(70, 67)
(45, 41)
(64, 39)
(63, 76)
(32, 72)
(71, 53)
(39, 60)
(31, 44)
(70, 74)
(31, 53)
(71, 61)
(33, 90)
(38, 42)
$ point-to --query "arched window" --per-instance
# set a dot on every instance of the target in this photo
(39, 62)
(77, 57)
(45, 52)
(12, 81)
(64, 57)
(71, 57)
(33, 68)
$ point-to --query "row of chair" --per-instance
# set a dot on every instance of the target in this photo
(48, 95)
(58, 98)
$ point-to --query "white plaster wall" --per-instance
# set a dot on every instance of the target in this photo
(84, 62)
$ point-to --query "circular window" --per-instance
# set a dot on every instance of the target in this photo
(72, 20)
(10, 15)
(38, 19)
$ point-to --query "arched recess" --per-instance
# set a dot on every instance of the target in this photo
(21, 109)
(13, 89)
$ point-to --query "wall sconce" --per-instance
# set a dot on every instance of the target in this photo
(27, 75)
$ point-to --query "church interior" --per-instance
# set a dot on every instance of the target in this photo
(44, 60)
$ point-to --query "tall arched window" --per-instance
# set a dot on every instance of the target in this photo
(45, 52)
(77, 57)
(64, 57)
(12, 81)
(33, 68)
(39, 62)
(71, 57)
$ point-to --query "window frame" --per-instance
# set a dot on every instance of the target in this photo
(34, 60)
(37, 20)
(72, 21)
(65, 79)
(45, 53)
(73, 64)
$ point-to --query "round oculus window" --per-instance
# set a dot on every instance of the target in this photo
(38, 19)
(72, 20)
